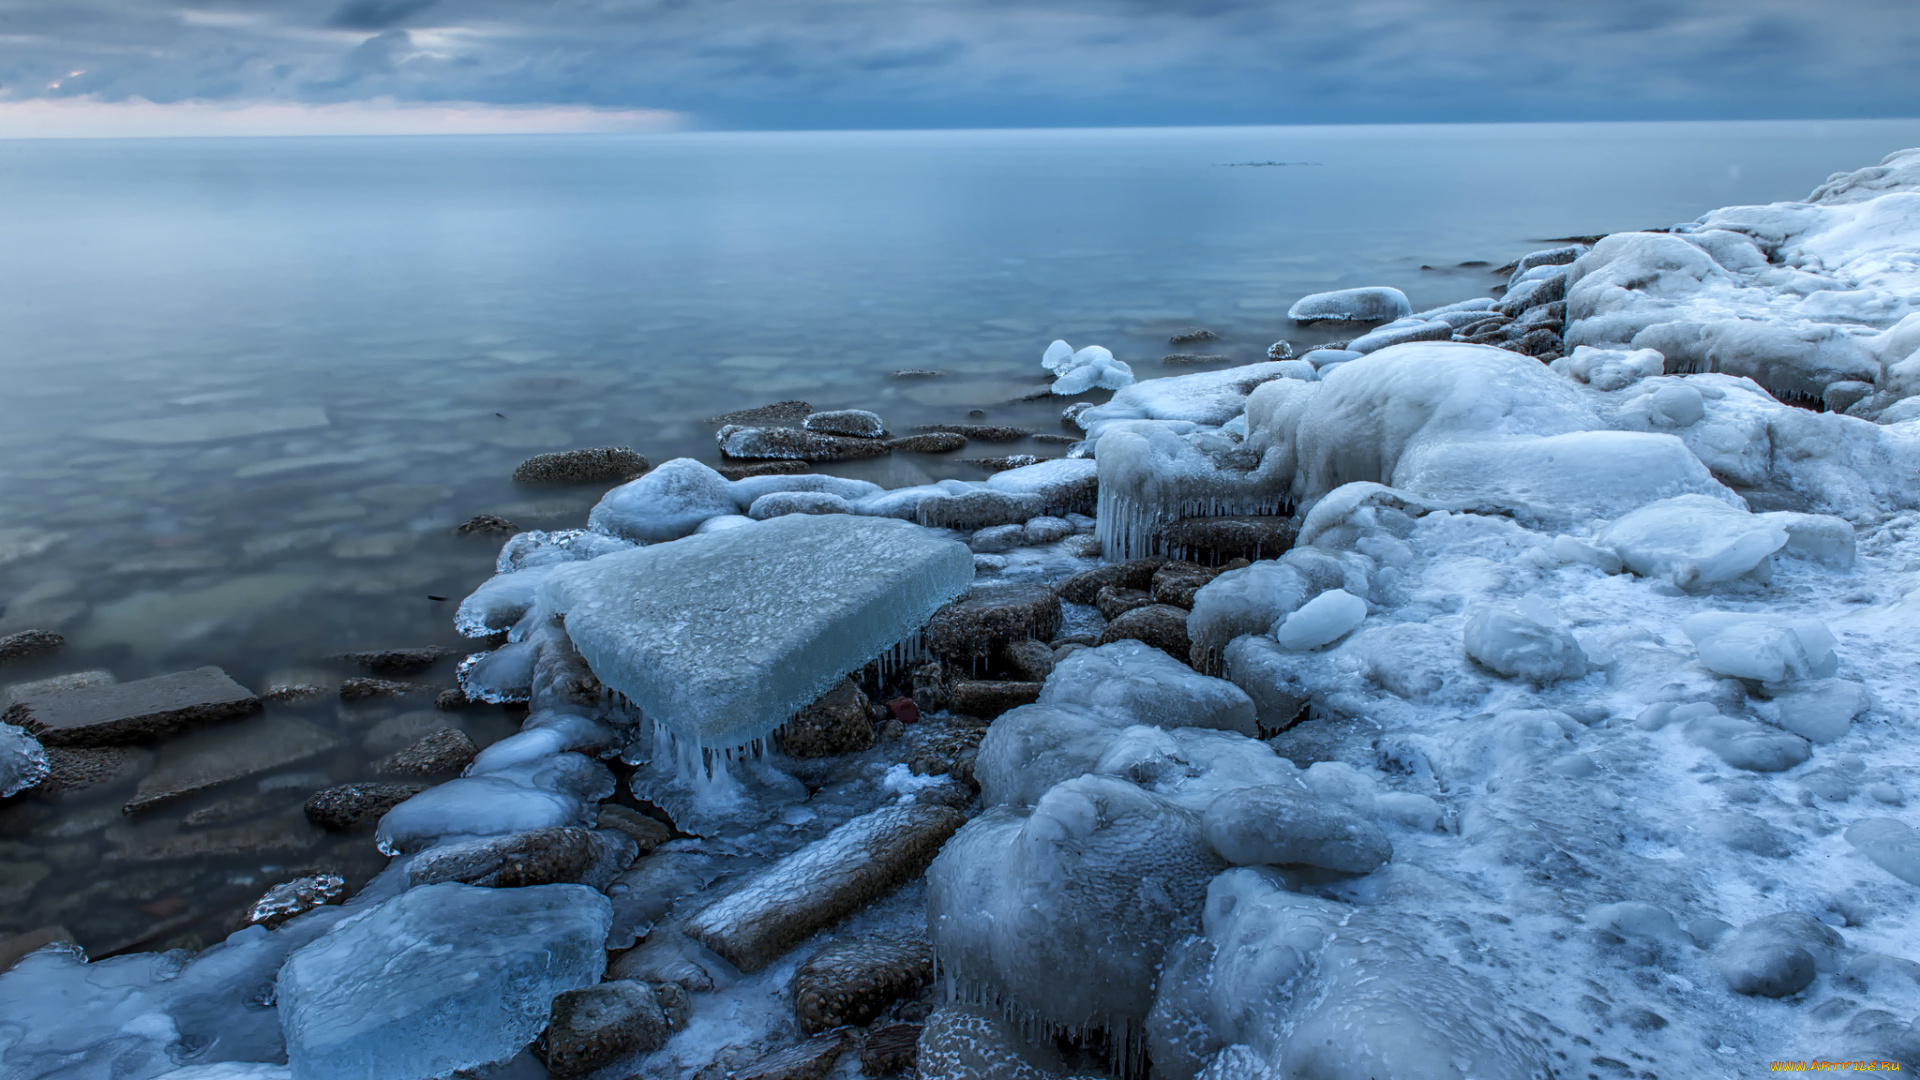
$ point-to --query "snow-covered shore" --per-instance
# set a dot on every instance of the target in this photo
(1575, 734)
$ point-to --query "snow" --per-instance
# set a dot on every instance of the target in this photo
(722, 637)
(1372, 304)
(442, 977)
(1090, 368)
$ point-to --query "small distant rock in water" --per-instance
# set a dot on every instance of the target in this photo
(976, 414)
(443, 751)
(1181, 359)
(290, 693)
(794, 444)
(1280, 350)
(361, 689)
(1055, 440)
(397, 661)
(1002, 464)
(450, 700)
(778, 414)
(982, 432)
(762, 468)
(486, 525)
(353, 806)
(1192, 334)
(857, 423)
(600, 464)
(28, 644)
(296, 897)
(917, 373)
(932, 442)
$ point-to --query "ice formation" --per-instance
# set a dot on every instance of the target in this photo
(1372, 304)
(1090, 368)
(22, 762)
(722, 637)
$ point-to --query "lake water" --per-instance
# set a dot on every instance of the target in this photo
(249, 387)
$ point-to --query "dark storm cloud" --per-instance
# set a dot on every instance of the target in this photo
(855, 63)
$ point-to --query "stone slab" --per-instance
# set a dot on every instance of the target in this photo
(207, 759)
(132, 711)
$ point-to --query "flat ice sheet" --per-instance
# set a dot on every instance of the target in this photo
(723, 636)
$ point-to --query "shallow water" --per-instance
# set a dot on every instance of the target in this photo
(250, 386)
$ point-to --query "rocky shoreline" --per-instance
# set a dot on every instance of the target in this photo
(1518, 688)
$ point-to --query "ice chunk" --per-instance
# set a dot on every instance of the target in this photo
(1892, 845)
(1079, 372)
(1521, 647)
(1634, 919)
(668, 503)
(499, 603)
(230, 1070)
(503, 675)
(1818, 712)
(63, 1017)
(1149, 687)
(22, 761)
(534, 548)
(1151, 475)
(1762, 648)
(1321, 621)
(441, 977)
(1029, 749)
(1612, 369)
(1576, 476)
(781, 503)
(1695, 541)
(723, 637)
(1277, 825)
(1210, 398)
(1063, 485)
(1249, 600)
(1744, 744)
(478, 806)
(1400, 333)
(748, 490)
(1372, 304)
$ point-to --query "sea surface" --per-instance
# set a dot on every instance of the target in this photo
(248, 387)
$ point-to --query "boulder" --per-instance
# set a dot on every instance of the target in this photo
(355, 806)
(132, 711)
(966, 634)
(597, 465)
(1160, 625)
(851, 981)
(841, 722)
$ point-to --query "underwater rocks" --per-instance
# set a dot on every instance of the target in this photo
(133, 711)
(28, 644)
(398, 661)
(930, 442)
(355, 806)
(598, 465)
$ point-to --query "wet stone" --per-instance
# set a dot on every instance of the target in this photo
(452, 700)
(856, 423)
(28, 644)
(292, 693)
(398, 661)
(208, 759)
(1215, 540)
(593, 1026)
(1160, 625)
(362, 689)
(443, 751)
(644, 831)
(296, 897)
(794, 444)
(841, 722)
(595, 465)
(1114, 601)
(850, 982)
(891, 1050)
(988, 698)
(78, 768)
(565, 855)
(762, 468)
(916, 373)
(1085, 586)
(486, 525)
(1184, 359)
(1031, 661)
(809, 1060)
(981, 432)
(933, 442)
(1003, 464)
(965, 635)
(1176, 582)
(930, 687)
(778, 414)
(133, 711)
(357, 806)
(1190, 335)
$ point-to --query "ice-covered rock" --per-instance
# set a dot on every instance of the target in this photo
(1611, 369)
(1063, 485)
(1695, 541)
(1209, 398)
(1520, 646)
(1778, 955)
(858, 423)
(439, 978)
(781, 503)
(1371, 304)
(1744, 744)
(1894, 846)
(22, 761)
(1321, 621)
(1274, 825)
(1090, 368)
(1146, 686)
(1152, 474)
(1762, 648)
(668, 503)
(1401, 332)
(476, 806)
(722, 637)
(1819, 712)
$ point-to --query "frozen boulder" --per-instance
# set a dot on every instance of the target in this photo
(1279, 825)
(781, 503)
(668, 503)
(1766, 649)
(1321, 621)
(439, 978)
(1147, 686)
(1893, 846)
(1400, 332)
(1154, 473)
(1030, 749)
(1521, 647)
(1611, 369)
(722, 637)
(794, 444)
(1209, 398)
(1778, 955)
(1063, 485)
(1695, 541)
(1744, 744)
(1090, 368)
(1372, 304)
(475, 806)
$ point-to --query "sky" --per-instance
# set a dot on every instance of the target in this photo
(327, 66)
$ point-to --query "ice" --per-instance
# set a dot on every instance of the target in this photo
(1372, 304)
(1820, 712)
(1148, 687)
(442, 977)
(1893, 846)
(1249, 600)
(1762, 648)
(1401, 332)
(1321, 621)
(503, 675)
(1209, 398)
(1090, 368)
(1695, 541)
(22, 761)
(230, 1070)
(781, 503)
(123, 1028)
(1151, 474)
(1277, 825)
(668, 503)
(722, 637)
(1744, 744)
(499, 603)
(476, 806)
(1031, 748)
(1063, 485)
(534, 548)
(1613, 369)
(751, 489)
(1521, 647)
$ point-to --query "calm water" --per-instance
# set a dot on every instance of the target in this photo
(412, 317)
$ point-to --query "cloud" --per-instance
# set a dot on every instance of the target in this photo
(375, 14)
(58, 118)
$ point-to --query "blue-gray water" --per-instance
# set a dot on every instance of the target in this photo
(416, 315)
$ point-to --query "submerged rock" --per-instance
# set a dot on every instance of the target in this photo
(28, 644)
(929, 442)
(598, 465)
(133, 711)
(398, 661)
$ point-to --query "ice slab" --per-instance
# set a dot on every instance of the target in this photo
(441, 977)
(722, 637)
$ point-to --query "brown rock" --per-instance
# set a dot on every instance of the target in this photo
(1160, 625)
(275, 836)
(851, 981)
(761, 468)
(809, 1060)
(296, 897)
(398, 661)
(1176, 582)
(353, 806)
(931, 442)
(890, 1050)
(592, 1026)
(930, 687)
(1114, 601)
(778, 414)
(1188, 359)
(76, 768)
(1084, 586)
(989, 698)
(982, 432)
(967, 634)
(1030, 660)
(1190, 335)
(841, 722)
(443, 751)
(292, 693)
(453, 700)
(362, 689)
(132, 711)
(952, 753)
(597, 465)
(568, 854)
(28, 644)
(643, 830)
(486, 525)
